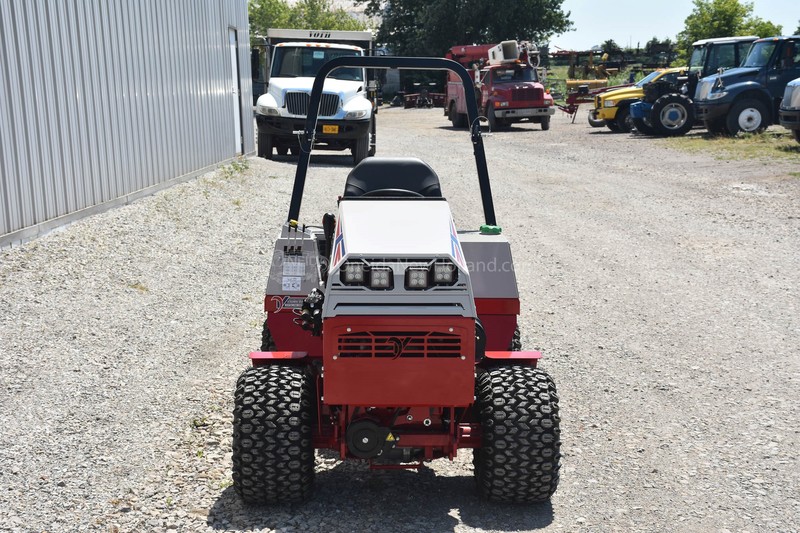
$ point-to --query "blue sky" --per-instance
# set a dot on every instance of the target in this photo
(632, 21)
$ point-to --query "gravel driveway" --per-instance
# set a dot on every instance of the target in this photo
(662, 288)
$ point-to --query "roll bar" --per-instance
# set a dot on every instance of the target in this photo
(383, 62)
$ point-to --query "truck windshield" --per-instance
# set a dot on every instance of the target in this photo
(297, 62)
(508, 75)
(759, 54)
(647, 79)
(698, 58)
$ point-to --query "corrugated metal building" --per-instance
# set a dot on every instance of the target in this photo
(105, 101)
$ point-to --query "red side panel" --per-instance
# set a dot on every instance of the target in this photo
(399, 360)
(288, 336)
(499, 319)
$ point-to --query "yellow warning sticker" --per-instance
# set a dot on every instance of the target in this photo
(390, 438)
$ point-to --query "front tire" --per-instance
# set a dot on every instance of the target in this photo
(361, 148)
(545, 123)
(273, 451)
(264, 145)
(623, 120)
(750, 116)
(673, 115)
(519, 459)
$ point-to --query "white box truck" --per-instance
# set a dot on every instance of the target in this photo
(347, 109)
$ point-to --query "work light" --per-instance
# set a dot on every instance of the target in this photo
(417, 278)
(381, 278)
(443, 273)
(352, 274)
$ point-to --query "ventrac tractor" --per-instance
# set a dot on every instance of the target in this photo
(391, 336)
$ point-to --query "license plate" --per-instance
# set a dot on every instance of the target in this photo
(329, 128)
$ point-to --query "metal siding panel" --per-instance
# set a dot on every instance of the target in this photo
(10, 214)
(143, 92)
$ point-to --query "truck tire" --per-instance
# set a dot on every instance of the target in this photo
(672, 115)
(519, 457)
(643, 126)
(273, 451)
(361, 148)
(748, 115)
(264, 145)
(493, 122)
(545, 123)
(612, 125)
(459, 120)
(623, 120)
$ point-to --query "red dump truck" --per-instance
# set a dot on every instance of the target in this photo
(507, 85)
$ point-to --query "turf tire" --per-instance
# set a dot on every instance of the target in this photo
(267, 342)
(519, 459)
(273, 452)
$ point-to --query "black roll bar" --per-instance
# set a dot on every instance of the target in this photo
(384, 62)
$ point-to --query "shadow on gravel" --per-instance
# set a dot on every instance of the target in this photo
(322, 161)
(351, 499)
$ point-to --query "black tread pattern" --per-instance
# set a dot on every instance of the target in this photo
(267, 343)
(520, 457)
(273, 451)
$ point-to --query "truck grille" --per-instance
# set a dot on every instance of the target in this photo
(297, 104)
(527, 94)
(395, 344)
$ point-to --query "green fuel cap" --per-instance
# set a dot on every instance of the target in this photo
(487, 229)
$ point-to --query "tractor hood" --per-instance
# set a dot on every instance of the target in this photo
(396, 229)
(735, 75)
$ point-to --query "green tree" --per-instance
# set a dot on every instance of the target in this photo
(760, 27)
(797, 31)
(611, 47)
(721, 18)
(306, 14)
(430, 27)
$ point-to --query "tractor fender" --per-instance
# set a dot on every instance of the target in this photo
(521, 357)
(266, 358)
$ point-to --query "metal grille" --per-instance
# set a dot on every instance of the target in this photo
(791, 98)
(394, 344)
(297, 104)
(527, 93)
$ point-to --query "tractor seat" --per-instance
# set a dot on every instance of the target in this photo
(394, 176)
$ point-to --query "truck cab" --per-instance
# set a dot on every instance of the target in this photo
(747, 98)
(346, 111)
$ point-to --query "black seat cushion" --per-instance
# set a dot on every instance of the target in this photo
(409, 173)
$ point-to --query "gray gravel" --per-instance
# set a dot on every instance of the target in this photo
(662, 288)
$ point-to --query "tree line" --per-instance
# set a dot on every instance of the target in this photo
(431, 27)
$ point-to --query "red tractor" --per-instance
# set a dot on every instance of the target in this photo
(392, 337)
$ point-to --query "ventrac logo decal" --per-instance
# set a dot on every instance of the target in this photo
(398, 345)
(455, 245)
